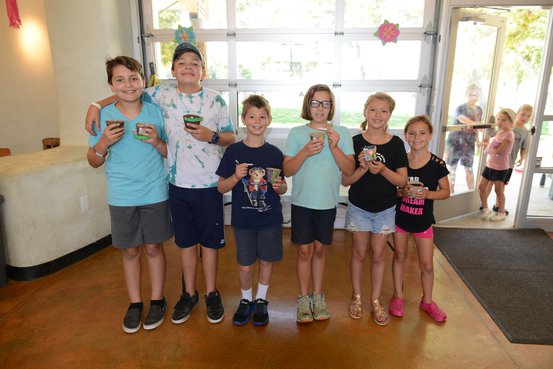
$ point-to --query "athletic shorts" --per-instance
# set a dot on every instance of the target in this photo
(263, 244)
(197, 217)
(429, 233)
(310, 225)
(508, 178)
(359, 220)
(132, 226)
(495, 175)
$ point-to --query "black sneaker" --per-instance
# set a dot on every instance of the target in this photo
(215, 311)
(260, 312)
(242, 314)
(184, 307)
(155, 315)
(133, 318)
(496, 209)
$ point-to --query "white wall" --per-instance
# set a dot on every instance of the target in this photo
(83, 34)
(28, 97)
(53, 66)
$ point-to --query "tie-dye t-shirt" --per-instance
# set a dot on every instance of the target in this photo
(191, 163)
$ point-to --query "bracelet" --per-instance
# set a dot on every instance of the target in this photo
(97, 153)
(96, 105)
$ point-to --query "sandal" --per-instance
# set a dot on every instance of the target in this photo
(380, 316)
(355, 308)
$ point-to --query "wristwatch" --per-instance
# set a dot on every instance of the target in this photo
(215, 138)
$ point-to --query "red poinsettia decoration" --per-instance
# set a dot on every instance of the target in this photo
(387, 32)
(13, 13)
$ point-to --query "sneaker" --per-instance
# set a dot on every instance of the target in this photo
(133, 319)
(304, 314)
(380, 316)
(215, 310)
(242, 314)
(155, 316)
(260, 312)
(498, 217)
(396, 307)
(486, 213)
(496, 209)
(320, 308)
(184, 307)
(434, 311)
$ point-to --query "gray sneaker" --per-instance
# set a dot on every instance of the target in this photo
(304, 314)
(155, 316)
(320, 308)
(215, 310)
(133, 319)
(184, 307)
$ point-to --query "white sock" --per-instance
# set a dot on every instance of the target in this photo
(247, 294)
(262, 291)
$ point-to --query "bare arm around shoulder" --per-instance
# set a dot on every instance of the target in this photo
(93, 114)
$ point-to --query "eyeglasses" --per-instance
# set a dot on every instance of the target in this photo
(317, 103)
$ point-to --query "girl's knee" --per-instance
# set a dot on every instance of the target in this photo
(400, 257)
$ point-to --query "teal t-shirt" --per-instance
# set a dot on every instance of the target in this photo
(135, 170)
(316, 185)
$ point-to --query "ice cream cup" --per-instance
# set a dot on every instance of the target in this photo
(370, 152)
(118, 123)
(192, 121)
(315, 136)
(273, 174)
(141, 131)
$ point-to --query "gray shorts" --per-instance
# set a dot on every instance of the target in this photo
(133, 226)
(263, 244)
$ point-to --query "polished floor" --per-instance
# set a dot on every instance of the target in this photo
(73, 319)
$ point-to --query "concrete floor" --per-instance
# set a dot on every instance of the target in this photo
(73, 319)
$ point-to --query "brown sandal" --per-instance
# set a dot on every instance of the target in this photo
(380, 316)
(355, 307)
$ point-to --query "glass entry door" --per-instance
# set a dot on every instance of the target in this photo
(473, 62)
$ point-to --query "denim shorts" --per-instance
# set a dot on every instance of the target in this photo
(264, 244)
(359, 220)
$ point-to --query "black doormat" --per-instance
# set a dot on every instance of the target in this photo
(510, 272)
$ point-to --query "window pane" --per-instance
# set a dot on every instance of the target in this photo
(359, 61)
(549, 101)
(366, 14)
(285, 60)
(545, 146)
(201, 13)
(285, 106)
(353, 103)
(215, 54)
(541, 196)
(285, 14)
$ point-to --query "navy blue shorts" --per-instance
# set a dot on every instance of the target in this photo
(263, 244)
(310, 225)
(197, 217)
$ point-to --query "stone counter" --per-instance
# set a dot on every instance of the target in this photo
(54, 211)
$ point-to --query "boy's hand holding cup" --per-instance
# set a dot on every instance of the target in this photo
(115, 129)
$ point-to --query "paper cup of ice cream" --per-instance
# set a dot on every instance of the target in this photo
(192, 121)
